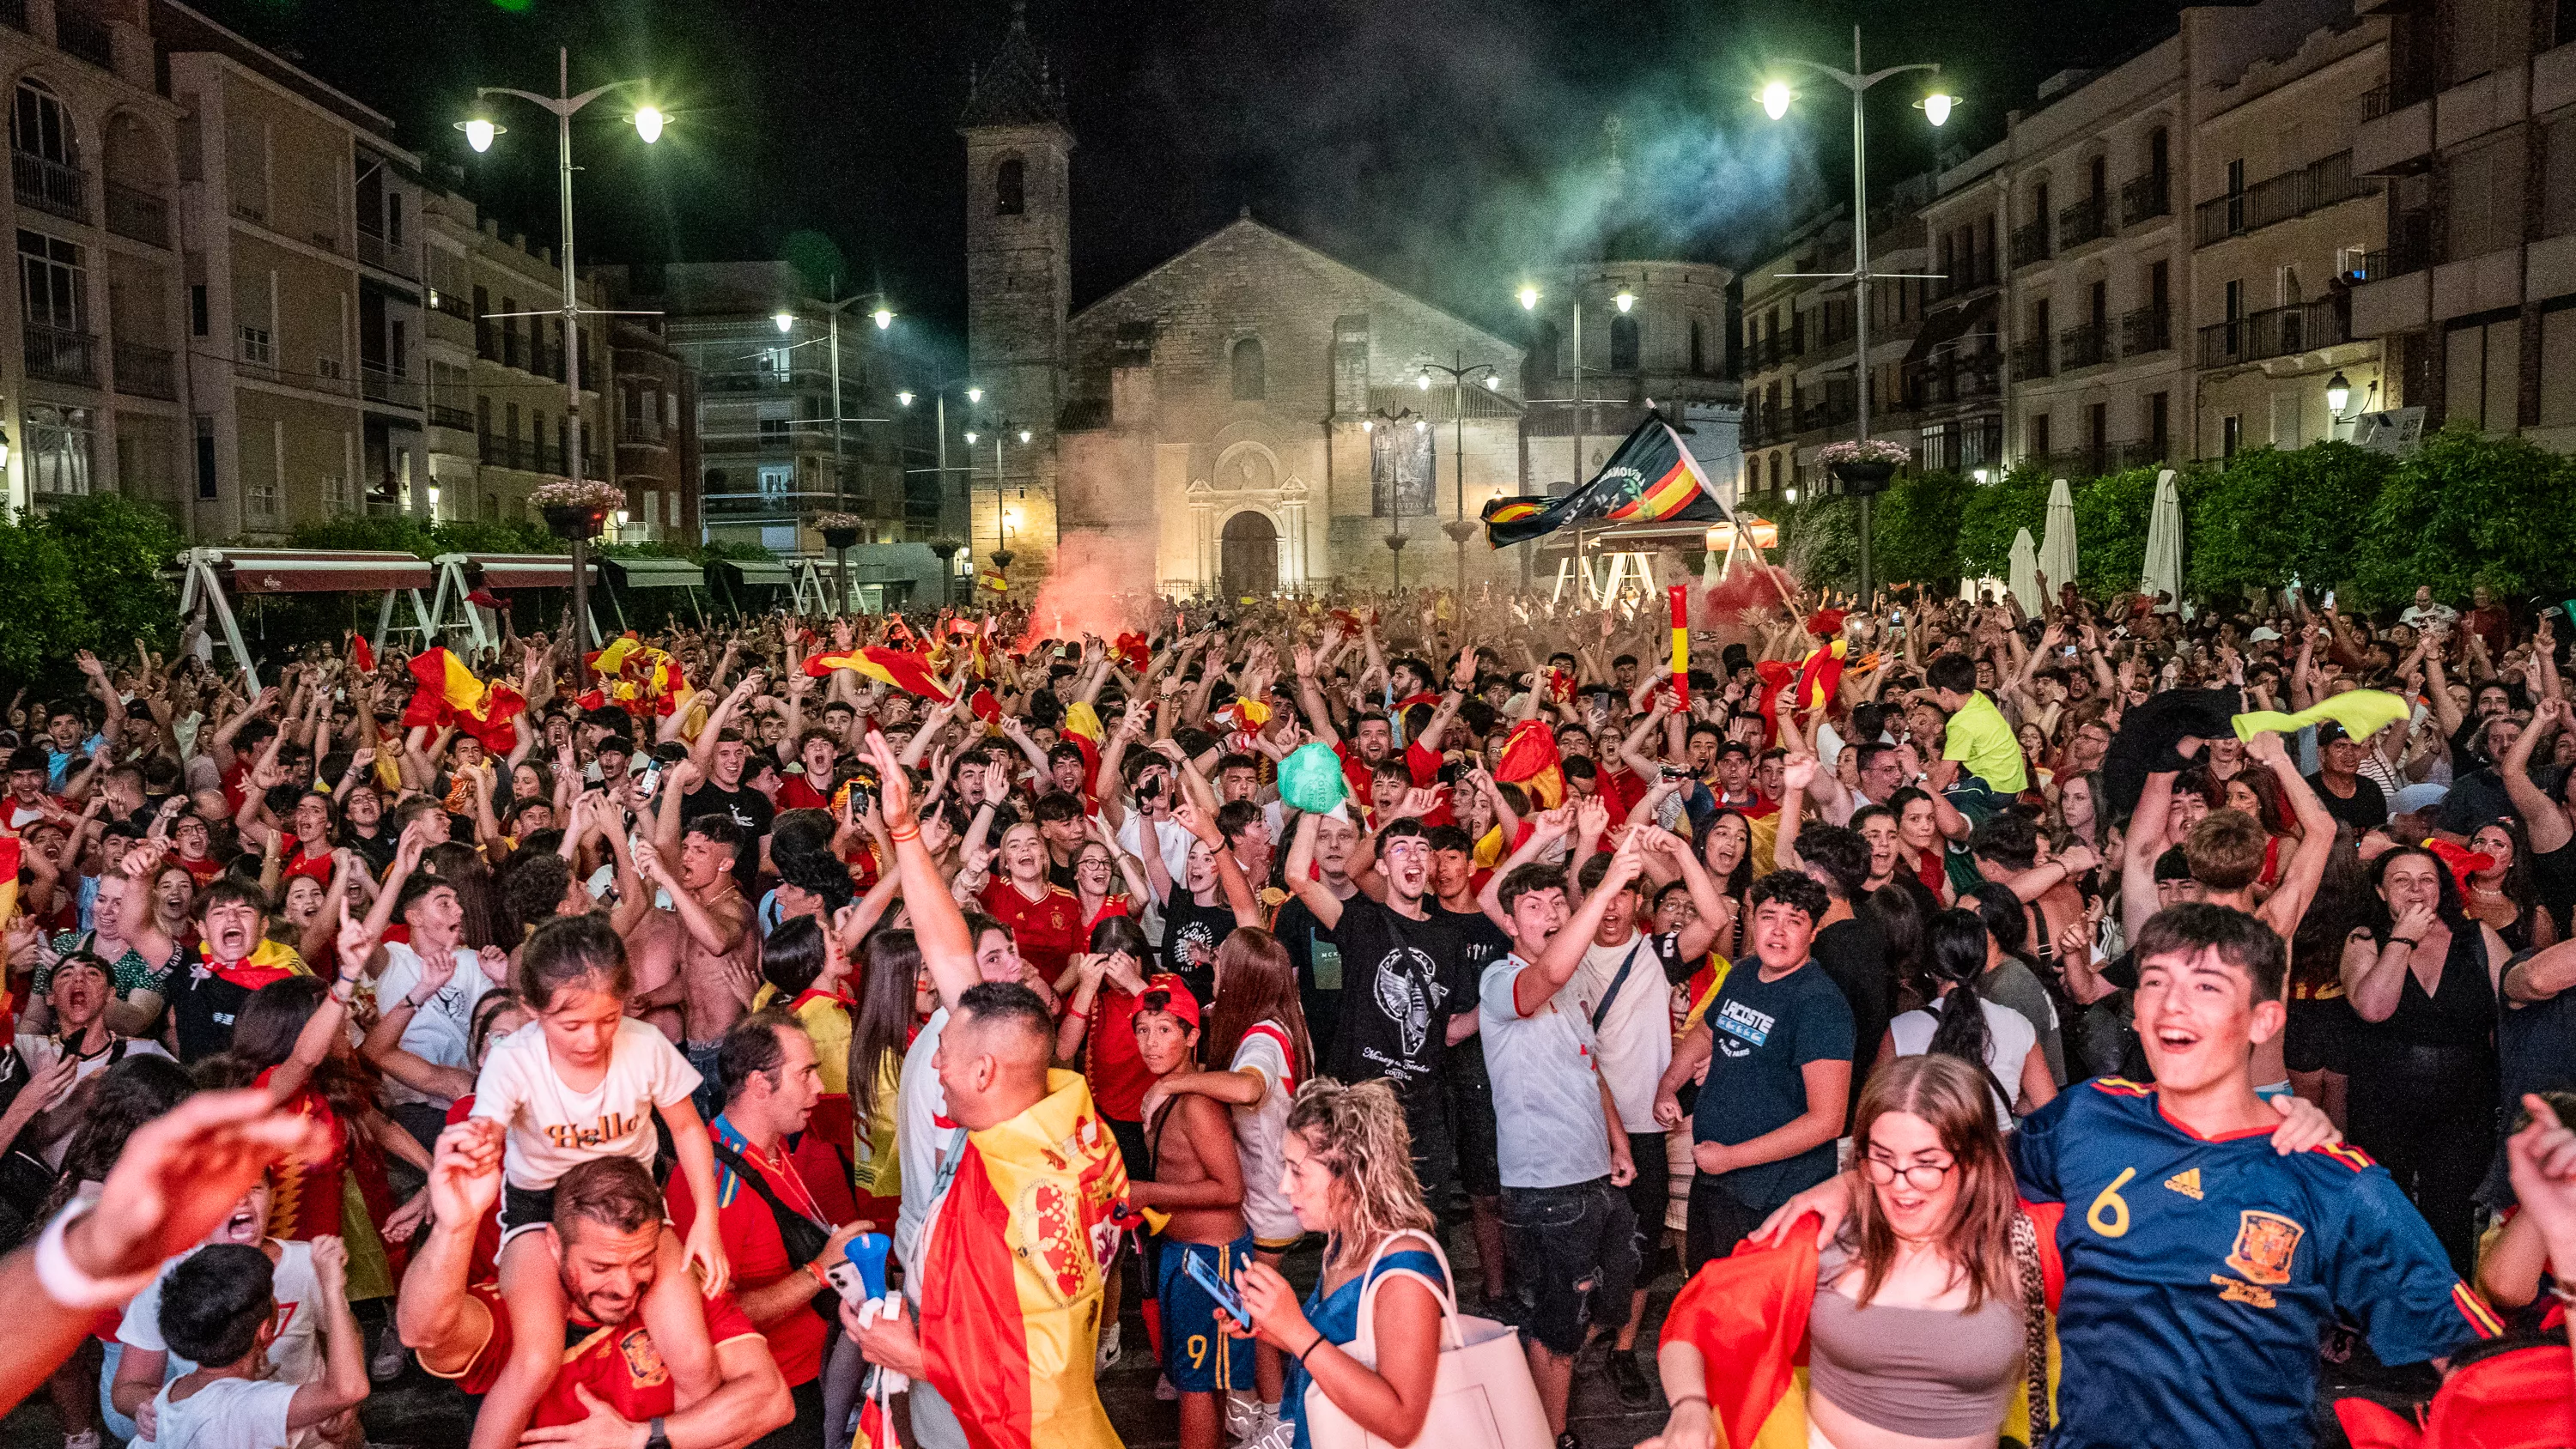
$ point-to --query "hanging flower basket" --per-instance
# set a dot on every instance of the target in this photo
(576, 511)
(1863, 467)
(840, 530)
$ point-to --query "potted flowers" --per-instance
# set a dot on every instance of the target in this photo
(576, 511)
(840, 530)
(1864, 467)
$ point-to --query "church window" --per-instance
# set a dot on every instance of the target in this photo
(1250, 384)
(1010, 187)
(1623, 344)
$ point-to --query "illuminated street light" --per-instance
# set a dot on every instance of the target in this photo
(479, 132)
(904, 398)
(2338, 392)
(1024, 437)
(1936, 106)
(785, 319)
(1625, 300)
(974, 394)
(970, 437)
(1775, 98)
(648, 123)
(884, 317)
(1529, 299)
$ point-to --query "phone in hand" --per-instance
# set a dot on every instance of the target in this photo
(1218, 1289)
(648, 781)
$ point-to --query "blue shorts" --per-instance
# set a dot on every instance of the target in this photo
(1197, 1356)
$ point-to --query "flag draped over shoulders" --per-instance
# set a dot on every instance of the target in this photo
(1012, 1270)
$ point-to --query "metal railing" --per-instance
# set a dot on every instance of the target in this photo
(2087, 220)
(500, 452)
(2030, 243)
(2144, 198)
(2085, 345)
(375, 251)
(86, 38)
(1966, 277)
(138, 214)
(2031, 359)
(2148, 329)
(50, 185)
(2276, 332)
(2318, 184)
(634, 429)
(443, 416)
(2409, 249)
(146, 371)
(452, 304)
(13, 13)
(60, 354)
(378, 384)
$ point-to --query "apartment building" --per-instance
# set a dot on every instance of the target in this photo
(2474, 292)
(1953, 373)
(656, 404)
(504, 416)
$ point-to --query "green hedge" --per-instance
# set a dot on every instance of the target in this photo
(2465, 509)
(86, 574)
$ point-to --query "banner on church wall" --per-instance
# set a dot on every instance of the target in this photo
(1402, 466)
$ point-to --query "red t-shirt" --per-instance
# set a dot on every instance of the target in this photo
(486, 1266)
(1047, 930)
(317, 867)
(752, 1244)
(619, 1366)
(797, 795)
(304, 1199)
(1620, 788)
(203, 872)
(1110, 1061)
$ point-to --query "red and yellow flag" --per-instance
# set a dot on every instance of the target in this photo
(1531, 762)
(901, 668)
(448, 693)
(1011, 1275)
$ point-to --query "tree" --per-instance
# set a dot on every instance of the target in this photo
(2467, 509)
(46, 619)
(119, 552)
(2269, 517)
(1991, 515)
(1914, 528)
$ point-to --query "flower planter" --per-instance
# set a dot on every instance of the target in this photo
(838, 538)
(573, 523)
(1862, 479)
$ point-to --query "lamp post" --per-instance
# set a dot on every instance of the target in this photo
(939, 397)
(479, 133)
(1458, 372)
(1395, 539)
(883, 316)
(1775, 97)
(1529, 299)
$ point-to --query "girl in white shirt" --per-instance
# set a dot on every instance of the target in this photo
(584, 1081)
(1963, 1024)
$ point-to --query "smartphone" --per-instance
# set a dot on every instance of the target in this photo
(648, 781)
(1218, 1289)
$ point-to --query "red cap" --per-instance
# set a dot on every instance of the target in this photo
(1183, 1004)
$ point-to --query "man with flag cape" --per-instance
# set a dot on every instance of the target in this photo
(1652, 478)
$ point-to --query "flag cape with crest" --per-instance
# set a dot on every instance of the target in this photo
(1652, 478)
(1011, 1272)
(446, 692)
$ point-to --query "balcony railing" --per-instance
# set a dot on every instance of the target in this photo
(443, 416)
(146, 371)
(50, 185)
(500, 452)
(450, 303)
(378, 384)
(2085, 221)
(639, 430)
(138, 214)
(2144, 198)
(2279, 198)
(2031, 359)
(1966, 277)
(13, 13)
(2107, 456)
(2409, 249)
(85, 38)
(376, 252)
(2278, 332)
(2148, 329)
(2030, 243)
(2087, 345)
(59, 354)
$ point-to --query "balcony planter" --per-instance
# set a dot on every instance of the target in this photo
(576, 511)
(1863, 467)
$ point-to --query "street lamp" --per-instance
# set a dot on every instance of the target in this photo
(1395, 483)
(479, 131)
(1001, 554)
(786, 321)
(1775, 97)
(884, 318)
(939, 397)
(2338, 392)
(1460, 527)
(1529, 298)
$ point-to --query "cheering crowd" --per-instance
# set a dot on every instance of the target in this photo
(2072, 1026)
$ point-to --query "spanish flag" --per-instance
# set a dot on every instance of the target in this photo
(1531, 762)
(996, 582)
(1747, 1315)
(447, 693)
(1652, 478)
(901, 668)
(1011, 1268)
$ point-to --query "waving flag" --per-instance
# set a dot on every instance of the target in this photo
(901, 668)
(1652, 478)
(1012, 1265)
(447, 693)
(362, 656)
(1531, 762)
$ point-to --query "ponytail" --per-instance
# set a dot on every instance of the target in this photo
(1955, 958)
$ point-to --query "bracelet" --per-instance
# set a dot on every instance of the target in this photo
(901, 836)
(2402, 941)
(1677, 1402)
(1310, 1348)
(819, 1280)
(66, 1282)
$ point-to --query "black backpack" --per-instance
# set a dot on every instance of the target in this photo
(804, 1238)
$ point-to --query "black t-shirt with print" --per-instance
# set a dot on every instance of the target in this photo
(1317, 955)
(1191, 934)
(1481, 943)
(1395, 1003)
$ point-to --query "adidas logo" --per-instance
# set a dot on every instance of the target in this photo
(2186, 1182)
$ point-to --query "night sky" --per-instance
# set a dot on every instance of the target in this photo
(1448, 146)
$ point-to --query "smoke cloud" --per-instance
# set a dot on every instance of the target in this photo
(1100, 583)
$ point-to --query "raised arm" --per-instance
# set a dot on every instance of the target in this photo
(2289, 900)
(2544, 817)
(947, 949)
(1326, 906)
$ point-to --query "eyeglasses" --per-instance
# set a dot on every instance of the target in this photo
(1922, 1176)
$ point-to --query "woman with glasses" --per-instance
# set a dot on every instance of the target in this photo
(1920, 1319)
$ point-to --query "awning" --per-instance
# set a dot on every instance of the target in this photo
(654, 573)
(527, 570)
(1944, 328)
(750, 574)
(315, 571)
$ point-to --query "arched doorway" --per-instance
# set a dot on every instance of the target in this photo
(1249, 560)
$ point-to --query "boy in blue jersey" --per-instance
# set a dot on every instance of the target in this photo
(2202, 1258)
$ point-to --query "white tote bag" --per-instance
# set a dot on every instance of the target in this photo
(1483, 1397)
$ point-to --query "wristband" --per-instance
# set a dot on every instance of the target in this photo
(1678, 1401)
(2402, 941)
(819, 1280)
(66, 1282)
(1310, 1348)
(899, 835)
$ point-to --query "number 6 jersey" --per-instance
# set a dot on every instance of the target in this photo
(2200, 1272)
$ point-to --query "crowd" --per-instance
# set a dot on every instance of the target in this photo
(2075, 1025)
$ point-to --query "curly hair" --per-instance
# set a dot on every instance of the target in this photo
(1359, 1135)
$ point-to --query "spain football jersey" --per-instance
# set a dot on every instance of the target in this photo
(619, 1366)
(2200, 1272)
(1047, 931)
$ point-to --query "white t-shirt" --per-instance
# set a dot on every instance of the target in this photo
(1260, 1128)
(228, 1414)
(1545, 1068)
(1636, 1037)
(440, 1030)
(52, 1129)
(920, 1105)
(1171, 835)
(296, 1352)
(2009, 1039)
(553, 1128)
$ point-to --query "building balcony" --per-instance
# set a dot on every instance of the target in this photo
(2317, 185)
(1964, 279)
(451, 304)
(50, 185)
(2278, 332)
(2148, 329)
(2410, 249)
(60, 354)
(2144, 198)
(2030, 243)
(91, 41)
(500, 452)
(443, 416)
(137, 214)
(146, 371)
(375, 251)
(2107, 456)
(377, 384)
(2087, 345)
(640, 431)
(2392, 140)
(2088, 220)
(2031, 359)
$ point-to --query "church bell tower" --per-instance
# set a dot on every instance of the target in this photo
(1019, 288)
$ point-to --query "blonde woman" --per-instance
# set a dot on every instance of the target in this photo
(1349, 1175)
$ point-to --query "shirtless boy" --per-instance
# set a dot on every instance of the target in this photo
(1199, 1182)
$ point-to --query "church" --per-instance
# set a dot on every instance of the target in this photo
(1253, 415)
